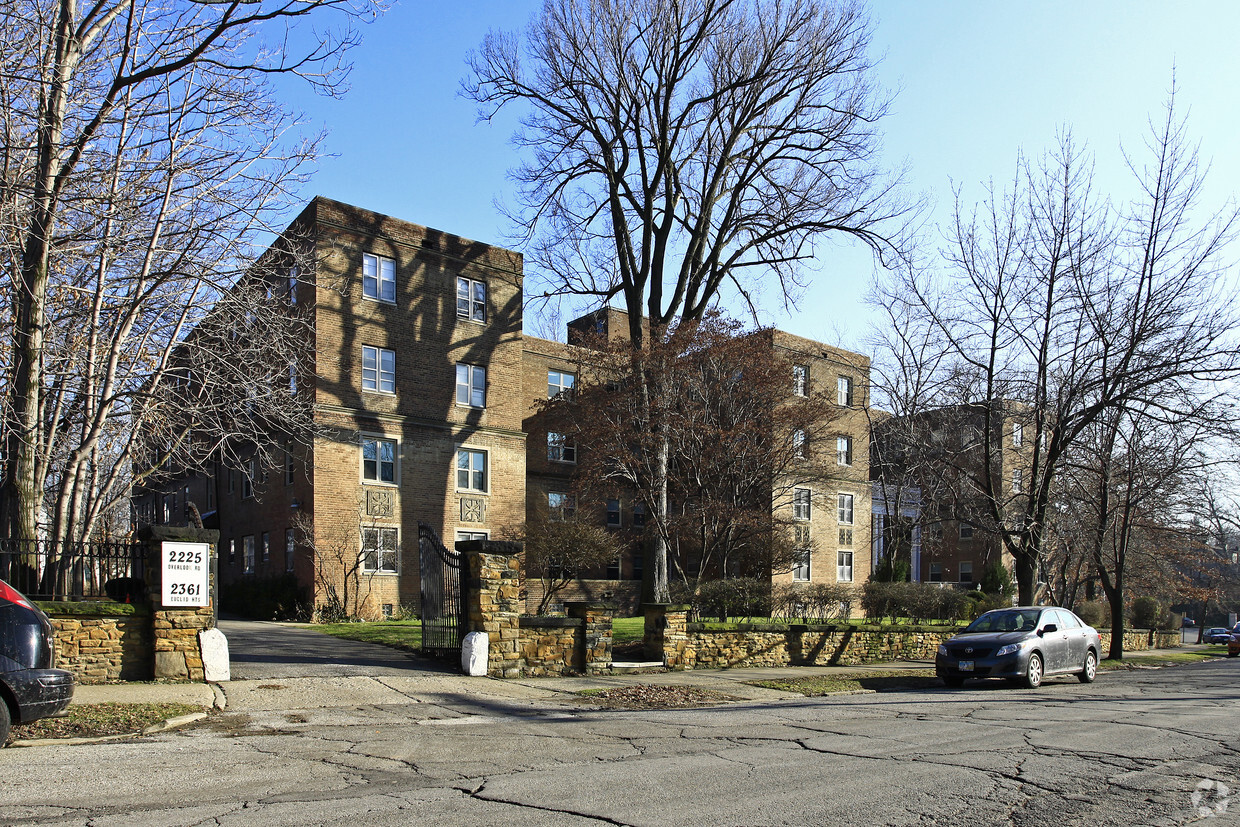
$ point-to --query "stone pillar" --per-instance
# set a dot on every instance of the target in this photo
(666, 633)
(492, 596)
(175, 630)
(593, 656)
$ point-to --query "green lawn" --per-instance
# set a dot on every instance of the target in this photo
(627, 630)
(399, 634)
(1172, 659)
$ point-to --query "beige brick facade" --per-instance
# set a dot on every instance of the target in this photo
(401, 376)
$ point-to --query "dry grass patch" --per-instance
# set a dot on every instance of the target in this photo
(99, 720)
(879, 680)
(647, 696)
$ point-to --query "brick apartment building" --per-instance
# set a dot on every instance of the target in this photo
(930, 469)
(423, 387)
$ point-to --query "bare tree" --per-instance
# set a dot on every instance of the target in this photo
(560, 549)
(143, 152)
(738, 444)
(1070, 311)
(680, 149)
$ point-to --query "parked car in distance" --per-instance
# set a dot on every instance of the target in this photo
(1216, 634)
(30, 688)
(1023, 644)
(1188, 623)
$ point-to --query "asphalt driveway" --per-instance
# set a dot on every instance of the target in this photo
(261, 650)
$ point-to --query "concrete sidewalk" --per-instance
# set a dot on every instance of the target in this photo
(354, 690)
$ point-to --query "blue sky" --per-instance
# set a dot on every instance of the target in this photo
(976, 82)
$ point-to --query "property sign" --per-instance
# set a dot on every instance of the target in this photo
(186, 567)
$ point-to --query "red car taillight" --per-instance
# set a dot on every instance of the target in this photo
(12, 595)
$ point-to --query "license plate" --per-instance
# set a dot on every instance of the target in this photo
(965, 666)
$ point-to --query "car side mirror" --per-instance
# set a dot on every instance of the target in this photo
(1050, 627)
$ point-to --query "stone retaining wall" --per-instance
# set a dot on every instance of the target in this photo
(99, 648)
(575, 645)
(1140, 640)
(804, 646)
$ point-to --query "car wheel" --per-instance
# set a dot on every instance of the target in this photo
(953, 683)
(1033, 672)
(1090, 671)
(4, 723)
(1233, 654)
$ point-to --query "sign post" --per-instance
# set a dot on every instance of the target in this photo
(185, 574)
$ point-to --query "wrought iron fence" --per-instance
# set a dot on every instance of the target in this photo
(55, 570)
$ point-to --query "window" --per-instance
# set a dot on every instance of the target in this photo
(185, 502)
(561, 506)
(844, 392)
(800, 380)
(1018, 480)
(637, 561)
(1018, 435)
(292, 378)
(288, 465)
(378, 278)
(170, 505)
(266, 546)
(800, 503)
(471, 299)
(613, 513)
(845, 509)
(232, 553)
(247, 478)
(798, 443)
(966, 531)
(800, 564)
(471, 385)
(379, 550)
(966, 572)
(232, 480)
(464, 536)
(247, 554)
(844, 566)
(471, 470)
(378, 459)
(639, 515)
(936, 573)
(846, 536)
(559, 382)
(559, 449)
(290, 545)
(613, 569)
(843, 450)
(293, 273)
(210, 493)
(378, 369)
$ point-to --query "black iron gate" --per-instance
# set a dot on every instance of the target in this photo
(443, 615)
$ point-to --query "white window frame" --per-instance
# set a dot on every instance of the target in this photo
(266, 546)
(378, 379)
(560, 505)
(471, 385)
(470, 470)
(1018, 480)
(935, 573)
(798, 443)
(465, 535)
(638, 517)
(290, 548)
(247, 558)
(559, 449)
(1018, 434)
(468, 306)
(560, 386)
(844, 566)
(378, 273)
(800, 380)
(802, 508)
(965, 531)
(378, 441)
(844, 451)
(844, 391)
(802, 565)
(844, 513)
(381, 552)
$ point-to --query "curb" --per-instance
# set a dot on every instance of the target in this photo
(162, 726)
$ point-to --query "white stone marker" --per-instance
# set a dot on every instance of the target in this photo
(474, 653)
(214, 647)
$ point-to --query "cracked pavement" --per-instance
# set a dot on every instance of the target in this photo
(1141, 747)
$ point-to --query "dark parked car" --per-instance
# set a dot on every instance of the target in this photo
(29, 688)
(1216, 635)
(1023, 644)
(1233, 645)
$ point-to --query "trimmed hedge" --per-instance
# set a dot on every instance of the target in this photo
(919, 601)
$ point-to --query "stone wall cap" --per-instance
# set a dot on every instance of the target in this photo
(179, 533)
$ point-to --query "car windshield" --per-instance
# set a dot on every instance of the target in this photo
(1006, 620)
